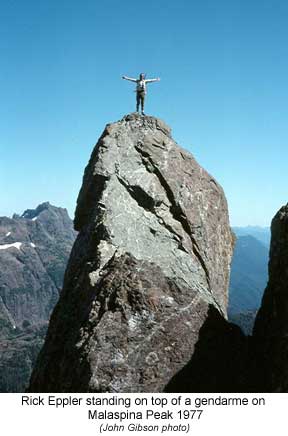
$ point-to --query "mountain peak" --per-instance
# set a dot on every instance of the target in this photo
(33, 213)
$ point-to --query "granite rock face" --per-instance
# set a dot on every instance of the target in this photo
(34, 250)
(150, 263)
(271, 327)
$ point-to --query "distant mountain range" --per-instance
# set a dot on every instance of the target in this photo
(34, 249)
(262, 234)
(249, 274)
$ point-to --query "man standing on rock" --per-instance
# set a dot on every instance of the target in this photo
(141, 89)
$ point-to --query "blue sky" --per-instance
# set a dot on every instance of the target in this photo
(223, 90)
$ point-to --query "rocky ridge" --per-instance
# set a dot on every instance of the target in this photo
(271, 328)
(34, 249)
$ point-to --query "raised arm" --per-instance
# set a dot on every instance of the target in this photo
(129, 78)
(152, 80)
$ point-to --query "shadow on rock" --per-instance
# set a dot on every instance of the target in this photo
(221, 361)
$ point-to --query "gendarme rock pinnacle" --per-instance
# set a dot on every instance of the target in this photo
(150, 263)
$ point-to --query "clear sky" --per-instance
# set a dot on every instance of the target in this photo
(223, 67)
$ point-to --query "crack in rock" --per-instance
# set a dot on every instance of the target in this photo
(177, 212)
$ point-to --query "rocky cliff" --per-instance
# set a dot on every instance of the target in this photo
(34, 250)
(271, 327)
(145, 289)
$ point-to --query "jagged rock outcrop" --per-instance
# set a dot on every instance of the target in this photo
(271, 326)
(34, 250)
(148, 271)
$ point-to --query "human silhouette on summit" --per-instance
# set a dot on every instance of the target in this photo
(141, 89)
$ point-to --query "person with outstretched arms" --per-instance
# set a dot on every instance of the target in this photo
(140, 89)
